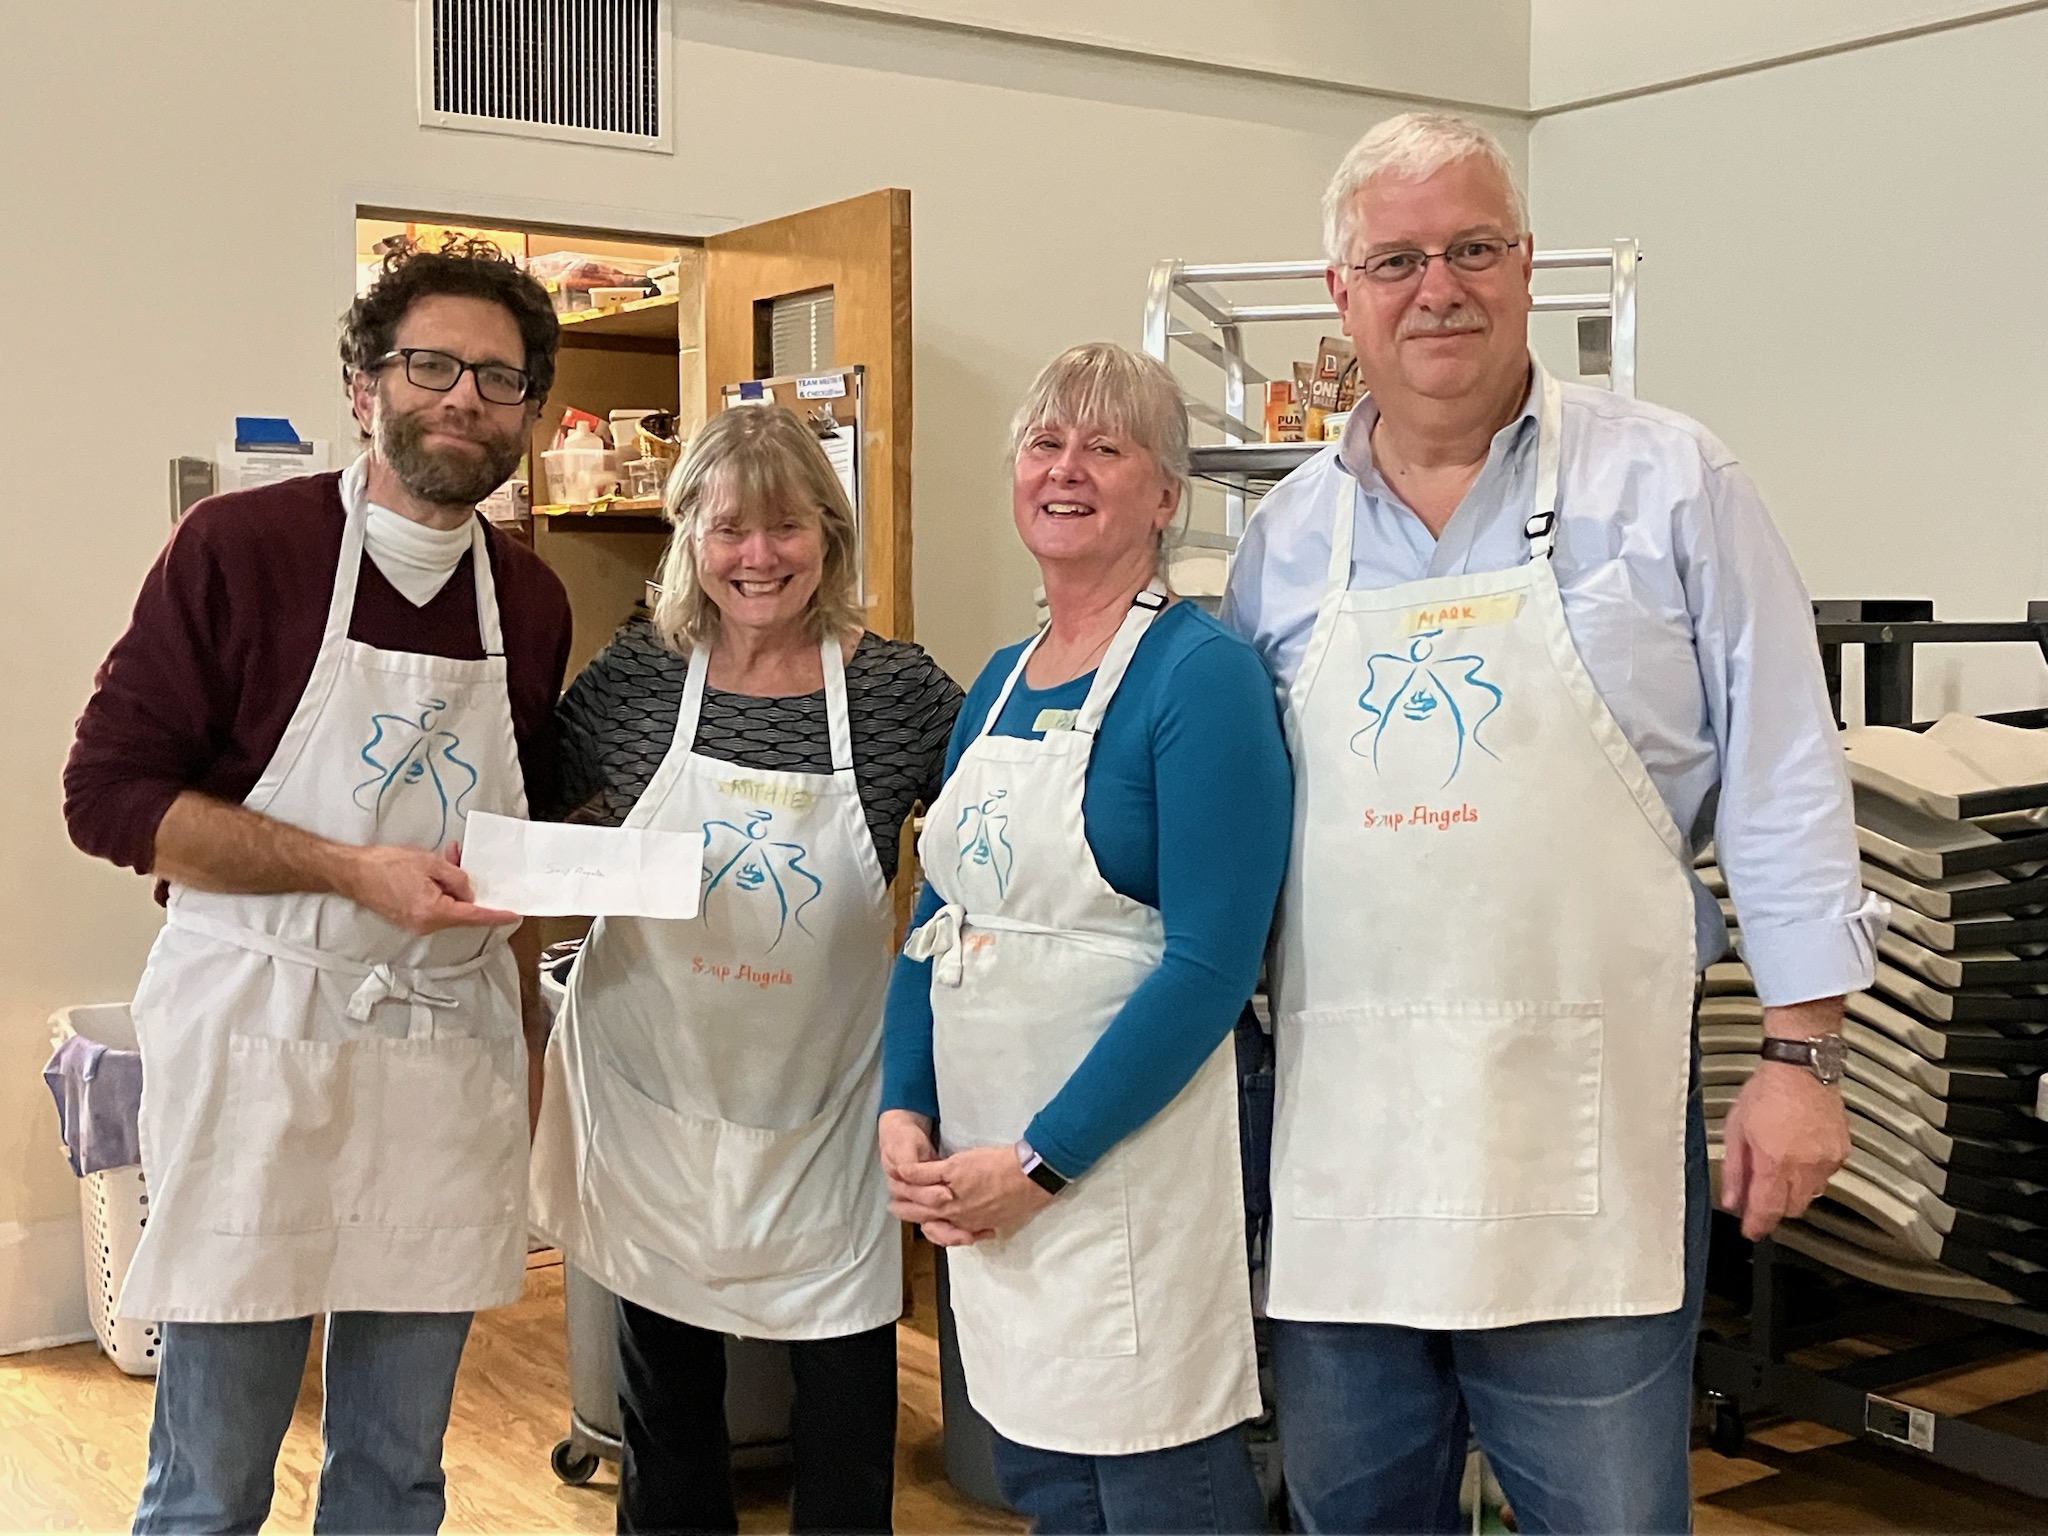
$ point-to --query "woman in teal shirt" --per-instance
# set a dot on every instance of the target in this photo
(1103, 867)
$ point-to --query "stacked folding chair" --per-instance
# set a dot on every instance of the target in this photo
(1946, 1188)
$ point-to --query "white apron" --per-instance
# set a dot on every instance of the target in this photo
(707, 1136)
(1117, 1319)
(333, 1109)
(1484, 969)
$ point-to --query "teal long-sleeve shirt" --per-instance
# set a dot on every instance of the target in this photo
(1188, 808)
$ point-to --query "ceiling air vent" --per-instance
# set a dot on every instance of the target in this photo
(589, 71)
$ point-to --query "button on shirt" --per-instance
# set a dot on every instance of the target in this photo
(1689, 616)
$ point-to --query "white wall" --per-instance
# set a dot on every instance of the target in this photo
(1580, 49)
(1471, 51)
(1843, 280)
(181, 251)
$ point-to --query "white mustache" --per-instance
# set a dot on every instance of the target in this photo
(1450, 322)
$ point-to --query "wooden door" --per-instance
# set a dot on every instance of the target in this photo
(860, 250)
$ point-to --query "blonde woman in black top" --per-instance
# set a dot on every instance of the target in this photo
(706, 1140)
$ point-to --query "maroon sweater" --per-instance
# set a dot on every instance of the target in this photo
(198, 692)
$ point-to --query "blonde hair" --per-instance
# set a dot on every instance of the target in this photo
(759, 456)
(1113, 389)
(1412, 146)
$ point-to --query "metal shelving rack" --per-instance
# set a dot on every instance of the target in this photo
(1185, 308)
(1796, 1302)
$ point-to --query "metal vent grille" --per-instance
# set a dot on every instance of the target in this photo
(800, 334)
(588, 70)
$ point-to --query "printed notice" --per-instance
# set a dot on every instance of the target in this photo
(541, 869)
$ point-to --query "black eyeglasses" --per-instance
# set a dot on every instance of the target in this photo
(1478, 255)
(442, 371)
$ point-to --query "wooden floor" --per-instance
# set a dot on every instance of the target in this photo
(73, 1433)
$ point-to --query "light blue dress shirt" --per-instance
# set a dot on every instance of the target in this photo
(1688, 614)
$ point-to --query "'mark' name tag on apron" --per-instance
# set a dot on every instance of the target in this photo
(540, 869)
(1462, 613)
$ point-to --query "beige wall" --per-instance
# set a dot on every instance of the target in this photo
(1840, 279)
(181, 251)
(1472, 51)
(1579, 49)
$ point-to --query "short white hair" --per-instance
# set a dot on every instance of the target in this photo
(1411, 146)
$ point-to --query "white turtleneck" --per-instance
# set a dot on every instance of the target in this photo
(414, 558)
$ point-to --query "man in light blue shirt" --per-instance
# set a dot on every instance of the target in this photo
(1687, 615)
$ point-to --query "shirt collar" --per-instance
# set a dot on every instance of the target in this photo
(1354, 448)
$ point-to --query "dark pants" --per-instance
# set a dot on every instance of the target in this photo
(675, 1472)
(1205, 1486)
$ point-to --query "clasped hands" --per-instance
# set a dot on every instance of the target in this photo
(976, 1194)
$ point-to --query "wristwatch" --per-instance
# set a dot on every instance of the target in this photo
(1822, 1055)
(1038, 1170)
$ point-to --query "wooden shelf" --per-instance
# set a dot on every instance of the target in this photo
(648, 507)
(647, 319)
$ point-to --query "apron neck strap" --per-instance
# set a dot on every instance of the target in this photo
(355, 506)
(1338, 576)
(693, 696)
(355, 503)
(1109, 672)
(489, 625)
(1541, 528)
(838, 717)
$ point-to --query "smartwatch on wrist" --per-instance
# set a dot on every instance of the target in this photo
(1822, 1055)
(1038, 1170)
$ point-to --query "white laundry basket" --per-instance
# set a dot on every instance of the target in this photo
(116, 1207)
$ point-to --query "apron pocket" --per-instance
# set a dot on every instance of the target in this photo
(371, 1133)
(1061, 1284)
(1450, 1110)
(723, 1201)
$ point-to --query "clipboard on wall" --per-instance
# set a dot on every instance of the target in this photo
(833, 402)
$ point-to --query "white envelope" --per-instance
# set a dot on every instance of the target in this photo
(546, 869)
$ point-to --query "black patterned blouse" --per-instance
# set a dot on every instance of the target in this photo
(619, 716)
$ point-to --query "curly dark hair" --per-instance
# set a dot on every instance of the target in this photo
(465, 266)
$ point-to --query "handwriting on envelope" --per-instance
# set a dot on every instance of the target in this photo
(542, 869)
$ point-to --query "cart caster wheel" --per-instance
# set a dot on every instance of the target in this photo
(1728, 1433)
(569, 1467)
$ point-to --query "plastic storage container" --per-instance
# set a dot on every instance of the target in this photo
(115, 1208)
(579, 472)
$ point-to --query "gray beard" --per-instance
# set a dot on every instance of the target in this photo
(444, 479)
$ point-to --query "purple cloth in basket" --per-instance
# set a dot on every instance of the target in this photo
(99, 1093)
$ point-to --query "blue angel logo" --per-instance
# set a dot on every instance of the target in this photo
(986, 858)
(755, 888)
(1423, 710)
(418, 786)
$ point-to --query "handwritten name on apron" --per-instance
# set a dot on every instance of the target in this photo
(1465, 613)
(764, 792)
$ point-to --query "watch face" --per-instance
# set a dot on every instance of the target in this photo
(1830, 1054)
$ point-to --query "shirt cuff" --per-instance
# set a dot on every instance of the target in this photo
(1798, 962)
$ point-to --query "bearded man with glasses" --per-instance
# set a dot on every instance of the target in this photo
(1523, 631)
(321, 681)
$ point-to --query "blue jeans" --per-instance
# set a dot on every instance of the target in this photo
(224, 1399)
(1206, 1485)
(1586, 1422)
